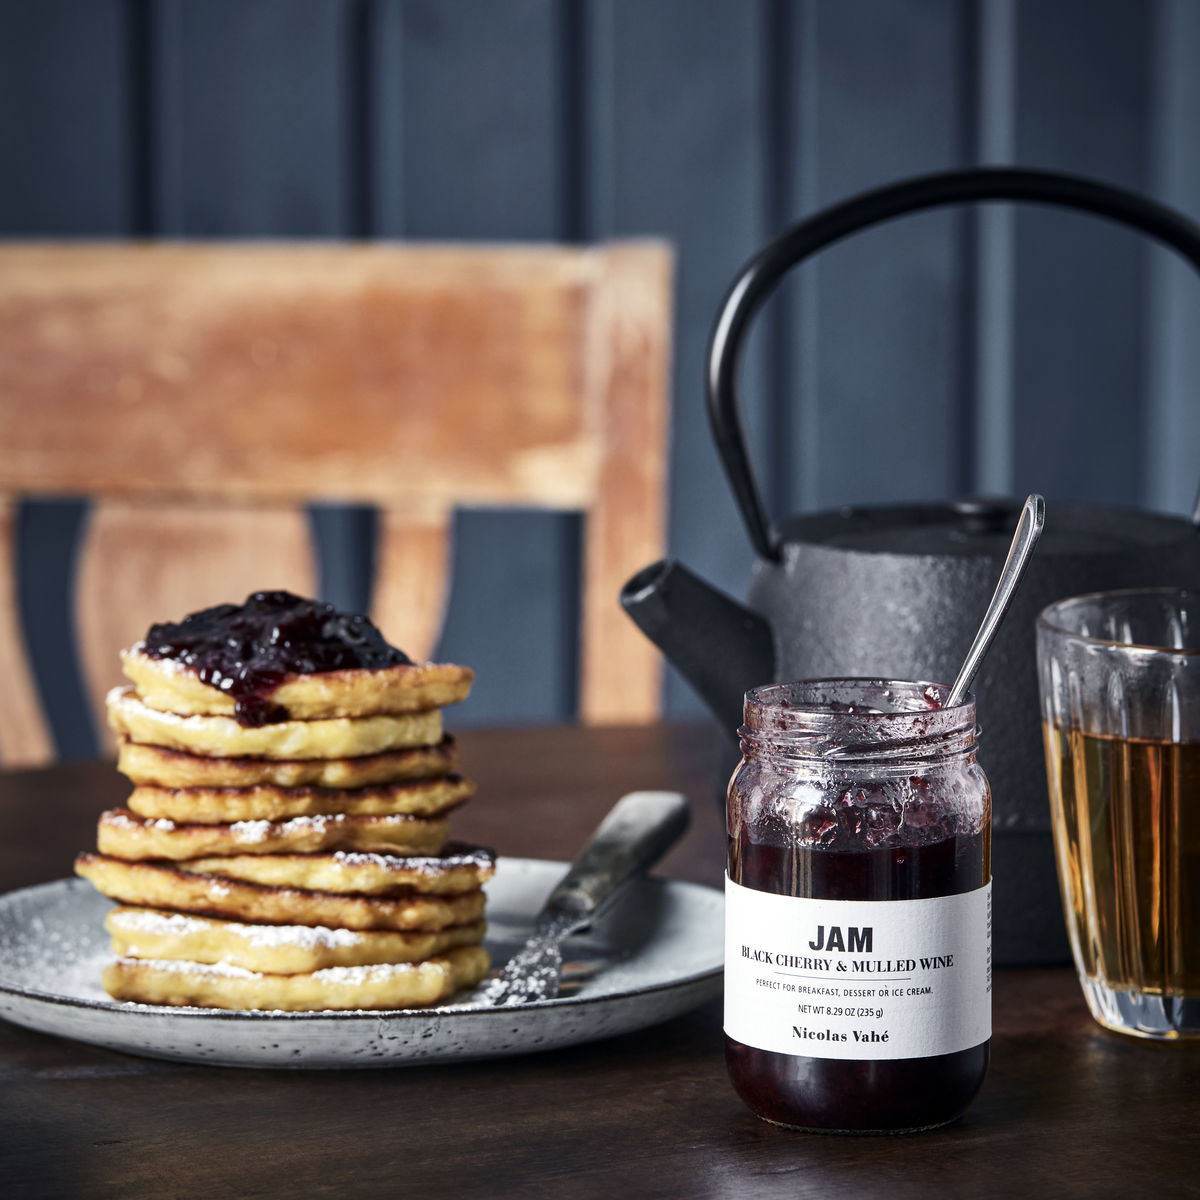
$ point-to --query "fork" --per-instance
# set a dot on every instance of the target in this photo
(637, 831)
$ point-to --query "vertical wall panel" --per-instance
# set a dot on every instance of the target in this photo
(676, 110)
(248, 124)
(1172, 450)
(468, 146)
(890, 320)
(791, 315)
(469, 131)
(1083, 107)
(514, 616)
(994, 225)
(64, 118)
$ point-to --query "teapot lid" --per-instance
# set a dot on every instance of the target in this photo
(983, 527)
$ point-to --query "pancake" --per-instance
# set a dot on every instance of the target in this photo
(224, 737)
(392, 985)
(207, 805)
(459, 869)
(171, 686)
(163, 767)
(277, 949)
(123, 834)
(164, 885)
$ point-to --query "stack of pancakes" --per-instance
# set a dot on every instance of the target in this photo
(297, 864)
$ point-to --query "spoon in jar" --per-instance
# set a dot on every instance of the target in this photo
(1029, 529)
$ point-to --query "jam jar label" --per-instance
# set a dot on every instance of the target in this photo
(858, 979)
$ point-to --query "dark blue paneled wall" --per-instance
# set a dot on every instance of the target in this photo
(952, 352)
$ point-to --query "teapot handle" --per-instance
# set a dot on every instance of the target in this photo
(759, 277)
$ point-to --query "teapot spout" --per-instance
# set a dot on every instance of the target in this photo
(721, 647)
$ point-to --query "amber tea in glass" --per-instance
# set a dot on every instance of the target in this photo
(1120, 683)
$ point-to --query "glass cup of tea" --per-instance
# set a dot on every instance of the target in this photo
(1119, 676)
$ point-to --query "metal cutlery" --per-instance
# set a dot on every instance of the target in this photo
(637, 831)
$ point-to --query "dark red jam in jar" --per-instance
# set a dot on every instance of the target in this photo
(858, 907)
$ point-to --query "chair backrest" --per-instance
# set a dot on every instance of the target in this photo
(202, 394)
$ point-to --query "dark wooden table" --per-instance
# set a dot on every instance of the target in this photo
(1067, 1109)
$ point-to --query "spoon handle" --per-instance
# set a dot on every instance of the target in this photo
(1029, 529)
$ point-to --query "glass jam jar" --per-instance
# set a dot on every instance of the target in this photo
(858, 907)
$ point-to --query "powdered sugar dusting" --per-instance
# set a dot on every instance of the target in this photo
(144, 920)
(52, 948)
(373, 973)
(167, 666)
(456, 855)
(309, 937)
(345, 976)
(390, 862)
(120, 819)
(260, 831)
(317, 823)
(250, 831)
(179, 967)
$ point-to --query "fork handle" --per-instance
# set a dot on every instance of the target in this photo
(639, 829)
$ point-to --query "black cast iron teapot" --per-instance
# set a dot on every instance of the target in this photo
(898, 591)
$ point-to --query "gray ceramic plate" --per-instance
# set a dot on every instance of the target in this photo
(656, 955)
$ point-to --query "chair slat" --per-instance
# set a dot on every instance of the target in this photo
(411, 580)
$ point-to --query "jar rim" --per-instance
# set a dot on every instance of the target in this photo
(857, 718)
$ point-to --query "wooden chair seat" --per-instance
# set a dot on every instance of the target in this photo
(202, 395)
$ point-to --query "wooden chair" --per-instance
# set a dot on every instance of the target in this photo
(202, 394)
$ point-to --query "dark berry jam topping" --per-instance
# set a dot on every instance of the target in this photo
(249, 649)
